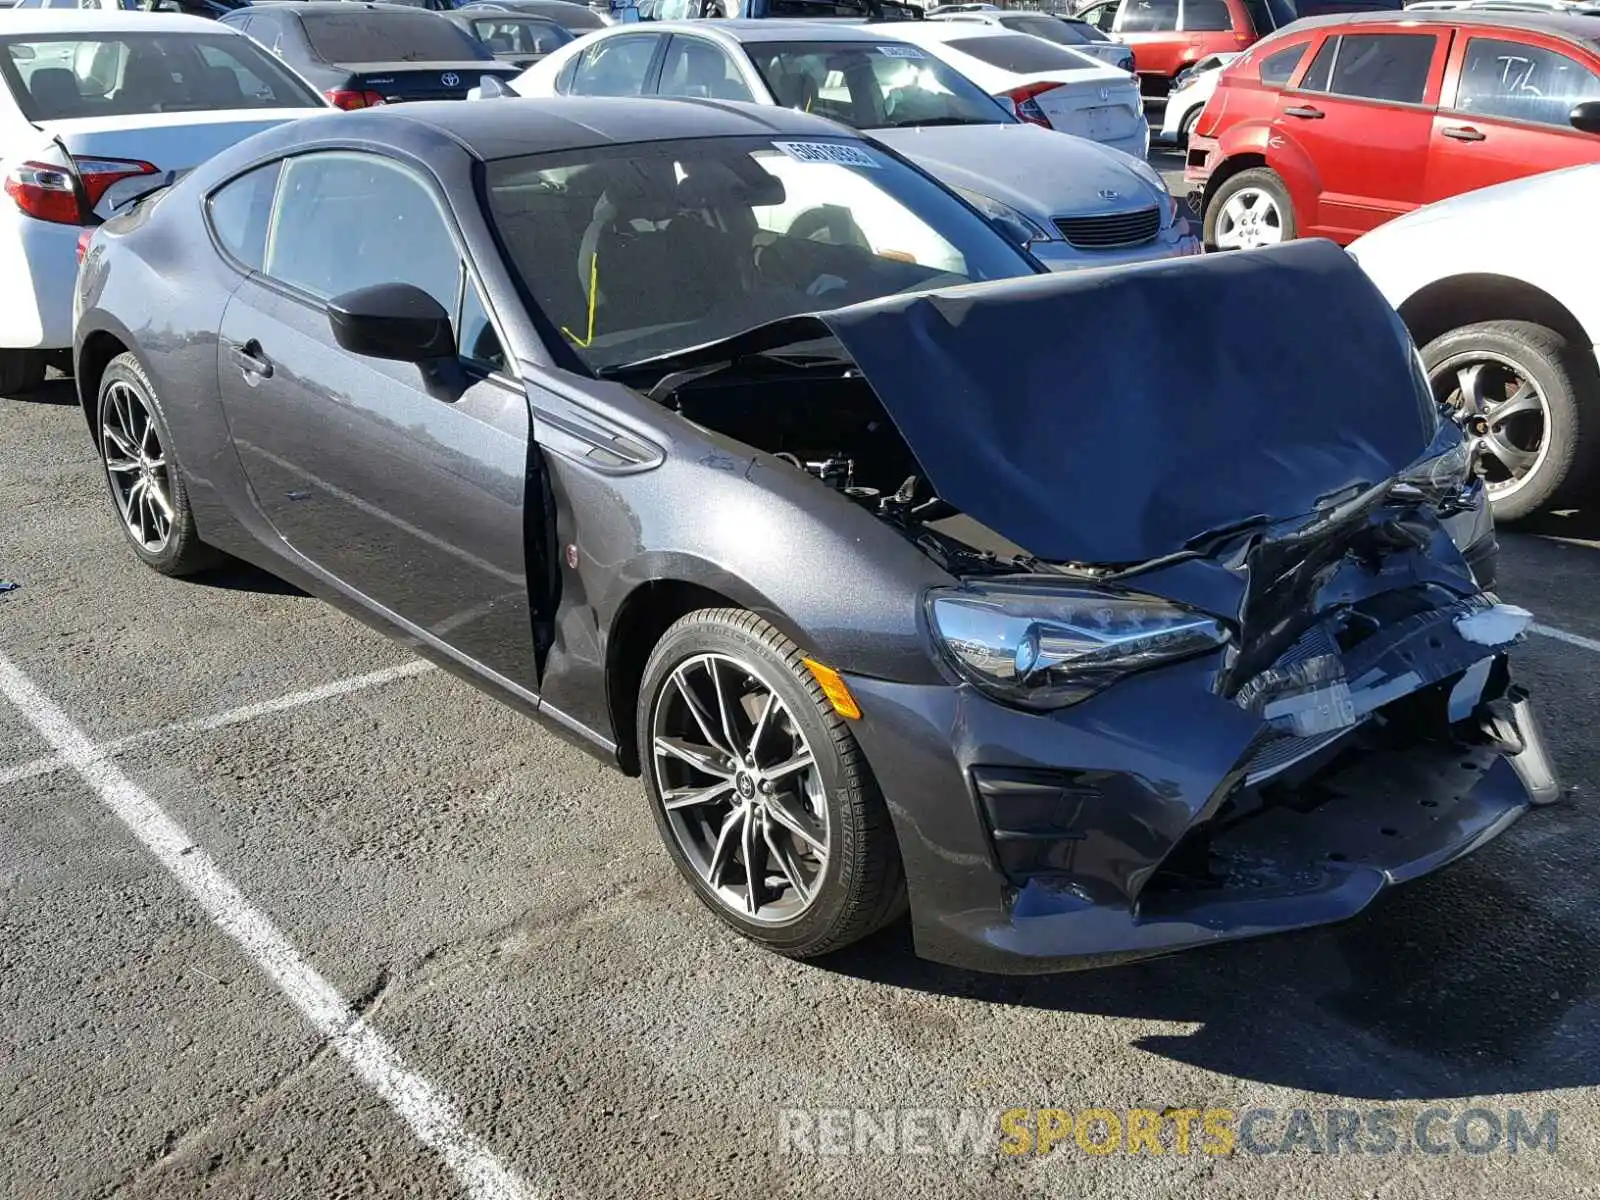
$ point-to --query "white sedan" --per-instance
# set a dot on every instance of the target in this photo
(97, 108)
(1506, 308)
(1191, 89)
(1047, 84)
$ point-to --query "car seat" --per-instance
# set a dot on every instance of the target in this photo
(55, 92)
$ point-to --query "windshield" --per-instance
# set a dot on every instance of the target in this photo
(60, 77)
(371, 36)
(637, 251)
(519, 35)
(891, 85)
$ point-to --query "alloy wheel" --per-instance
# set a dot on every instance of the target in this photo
(1248, 220)
(1501, 399)
(741, 788)
(136, 465)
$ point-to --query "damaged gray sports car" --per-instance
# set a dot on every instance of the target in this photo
(738, 450)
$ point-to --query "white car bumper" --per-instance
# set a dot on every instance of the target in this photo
(39, 262)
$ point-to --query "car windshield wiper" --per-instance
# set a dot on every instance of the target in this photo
(927, 121)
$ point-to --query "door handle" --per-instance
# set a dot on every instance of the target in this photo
(1463, 133)
(1305, 112)
(250, 359)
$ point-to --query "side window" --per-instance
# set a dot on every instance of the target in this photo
(1375, 66)
(1102, 16)
(228, 79)
(699, 69)
(1206, 16)
(475, 336)
(1522, 82)
(240, 212)
(615, 67)
(1276, 69)
(1316, 79)
(563, 83)
(1148, 16)
(345, 221)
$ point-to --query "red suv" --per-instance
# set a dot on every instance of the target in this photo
(1335, 125)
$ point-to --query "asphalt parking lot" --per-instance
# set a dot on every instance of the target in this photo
(286, 913)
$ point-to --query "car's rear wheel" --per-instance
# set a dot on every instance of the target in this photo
(1249, 210)
(146, 484)
(759, 790)
(1537, 399)
(21, 371)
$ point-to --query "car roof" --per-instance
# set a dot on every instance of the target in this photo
(1571, 27)
(89, 20)
(322, 6)
(777, 30)
(505, 128)
(946, 31)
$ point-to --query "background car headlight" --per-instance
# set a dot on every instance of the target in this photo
(1043, 647)
(1445, 472)
(996, 211)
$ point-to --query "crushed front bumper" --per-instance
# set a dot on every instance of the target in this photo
(1159, 815)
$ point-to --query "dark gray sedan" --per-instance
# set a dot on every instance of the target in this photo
(903, 573)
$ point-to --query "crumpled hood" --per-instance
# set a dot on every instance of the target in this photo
(1041, 173)
(1111, 416)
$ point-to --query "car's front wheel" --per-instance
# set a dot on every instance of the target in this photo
(1249, 210)
(759, 790)
(1536, 400)
(146, 484)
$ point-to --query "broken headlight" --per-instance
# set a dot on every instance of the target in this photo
(1048, 647)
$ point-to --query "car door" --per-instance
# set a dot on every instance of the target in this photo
(699, 68)
(1151, 28)
(1504, 110)
(403, 483)
(1355, 129)
(628, 65)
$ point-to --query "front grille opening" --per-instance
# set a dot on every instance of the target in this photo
(1111, 231)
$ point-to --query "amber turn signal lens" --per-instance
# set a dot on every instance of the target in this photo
(833, 687)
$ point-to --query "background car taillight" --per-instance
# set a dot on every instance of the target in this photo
(66, 196)
(84, 239)
(1025, 101)
(349, 100)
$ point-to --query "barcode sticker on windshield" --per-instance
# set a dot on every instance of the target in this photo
(828, 152)
(900, 51)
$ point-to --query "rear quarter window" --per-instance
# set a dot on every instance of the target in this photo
(240, 213)
(1278, 67)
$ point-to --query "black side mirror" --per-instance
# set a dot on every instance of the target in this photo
(392, 320)
(1586, 116)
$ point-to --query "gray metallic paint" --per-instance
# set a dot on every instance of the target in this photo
(453, 489)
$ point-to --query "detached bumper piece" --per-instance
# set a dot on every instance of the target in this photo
(1392, 743)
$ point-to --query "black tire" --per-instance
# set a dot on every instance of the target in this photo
(862, 887)
(1186, 126)
(21, 371)
(1266, 180)
(183, 553)
(1567, 380)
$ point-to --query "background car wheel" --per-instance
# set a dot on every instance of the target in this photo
(146, 484)
(21, 371)
(760, 792)
(1186, 126)
(1541, 399)
(1250, 210)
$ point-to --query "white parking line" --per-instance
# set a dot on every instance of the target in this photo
(430, 1114)
(1561, 635)
(45, 764)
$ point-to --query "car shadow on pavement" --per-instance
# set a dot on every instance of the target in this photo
(55, 391)
(1454, 986)
(236, 576)
(1577, 524)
